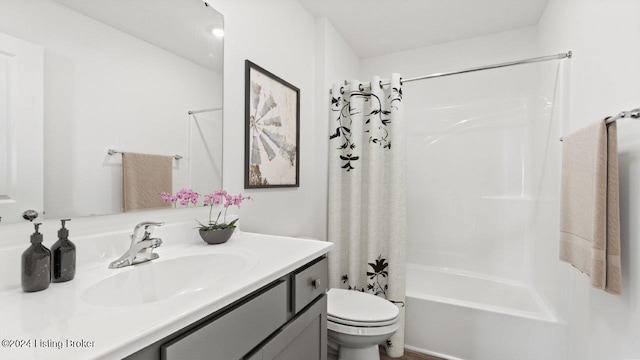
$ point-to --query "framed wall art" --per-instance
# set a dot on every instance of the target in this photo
(272, 130)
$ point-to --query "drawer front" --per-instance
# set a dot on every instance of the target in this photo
(305, 337)
(235, 333)
(309, 283)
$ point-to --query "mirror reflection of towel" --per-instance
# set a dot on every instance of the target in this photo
(589, 206)
(144, 177)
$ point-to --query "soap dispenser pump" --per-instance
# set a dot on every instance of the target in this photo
(36, 264)
(64, 256)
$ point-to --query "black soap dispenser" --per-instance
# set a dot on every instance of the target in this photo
(64, 256)
(36, 264)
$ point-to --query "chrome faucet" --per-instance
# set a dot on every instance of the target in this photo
(142, 245)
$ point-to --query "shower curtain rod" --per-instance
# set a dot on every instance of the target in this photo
(192, 112)
(559, 56)
(488, 67)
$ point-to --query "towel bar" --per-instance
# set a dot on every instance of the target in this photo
(635, 113)
(113, 152)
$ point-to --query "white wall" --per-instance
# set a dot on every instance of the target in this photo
(468, 145)
(281, 37)
(105, 89)
(278, 36)
(604, 80)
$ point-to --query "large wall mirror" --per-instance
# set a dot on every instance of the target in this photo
(140, 76)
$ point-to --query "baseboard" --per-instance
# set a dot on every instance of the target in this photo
(432, 353)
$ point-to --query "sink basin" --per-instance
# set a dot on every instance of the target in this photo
(159, 280)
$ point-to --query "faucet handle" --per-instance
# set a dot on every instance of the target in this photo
(147, 226)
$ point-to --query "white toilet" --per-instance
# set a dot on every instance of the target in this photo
(357, 322)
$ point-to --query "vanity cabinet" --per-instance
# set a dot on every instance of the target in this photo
(285, 320)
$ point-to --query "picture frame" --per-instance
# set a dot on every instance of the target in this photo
(272, 130)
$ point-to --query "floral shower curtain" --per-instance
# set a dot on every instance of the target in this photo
(367, 221)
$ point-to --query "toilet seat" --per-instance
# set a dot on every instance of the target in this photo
(358, 309)
(362, 331)
(361, 323)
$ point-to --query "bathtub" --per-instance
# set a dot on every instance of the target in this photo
(460, 315)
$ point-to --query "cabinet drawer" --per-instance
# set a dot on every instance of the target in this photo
(309, 283)
(235, 333)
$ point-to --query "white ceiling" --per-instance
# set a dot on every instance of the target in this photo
(182, 27)
(376, 27)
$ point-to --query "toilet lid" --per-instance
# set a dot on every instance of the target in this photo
(355, 307)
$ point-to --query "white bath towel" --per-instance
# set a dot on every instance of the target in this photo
(589, 206)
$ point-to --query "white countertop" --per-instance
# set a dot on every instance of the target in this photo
(36, 324)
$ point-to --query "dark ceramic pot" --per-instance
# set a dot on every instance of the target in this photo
(217, 236)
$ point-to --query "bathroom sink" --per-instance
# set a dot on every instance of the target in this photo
(163, 279)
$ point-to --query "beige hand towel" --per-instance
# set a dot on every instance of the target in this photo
(144, 177)
(589, 207)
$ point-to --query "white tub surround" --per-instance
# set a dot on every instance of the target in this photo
(479, 317)
(75, 320)
(483, 178)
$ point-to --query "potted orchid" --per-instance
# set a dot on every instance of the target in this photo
(215, 231)
(218, 232)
